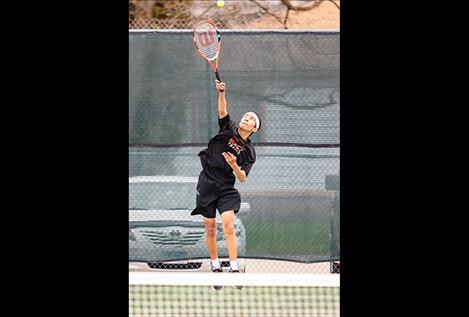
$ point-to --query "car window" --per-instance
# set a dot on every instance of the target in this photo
(148, 195)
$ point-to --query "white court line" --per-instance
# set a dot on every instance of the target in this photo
(243, 279)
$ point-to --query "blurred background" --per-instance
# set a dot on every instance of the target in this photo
(246, 14)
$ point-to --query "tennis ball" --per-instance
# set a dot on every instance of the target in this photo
(220, 3)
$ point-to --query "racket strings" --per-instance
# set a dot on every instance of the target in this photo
(203, 34)
(210, 52)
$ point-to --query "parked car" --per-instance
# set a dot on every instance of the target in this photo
(161, 228)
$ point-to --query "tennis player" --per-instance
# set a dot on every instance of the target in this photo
(229, 154)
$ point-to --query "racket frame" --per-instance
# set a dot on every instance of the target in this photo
(214, 67)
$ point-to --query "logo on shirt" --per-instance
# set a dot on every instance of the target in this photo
(234, 145)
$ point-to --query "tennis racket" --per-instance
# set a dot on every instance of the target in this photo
(208, 44)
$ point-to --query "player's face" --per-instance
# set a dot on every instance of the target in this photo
(248, 122)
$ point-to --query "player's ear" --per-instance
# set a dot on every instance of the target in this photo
(254, 130)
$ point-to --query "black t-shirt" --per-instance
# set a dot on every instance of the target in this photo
(227, 140)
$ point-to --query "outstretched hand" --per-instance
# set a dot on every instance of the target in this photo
(220, 85)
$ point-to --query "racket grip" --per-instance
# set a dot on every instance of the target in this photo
(218, 76)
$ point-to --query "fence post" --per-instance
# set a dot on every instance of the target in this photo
(333, 184)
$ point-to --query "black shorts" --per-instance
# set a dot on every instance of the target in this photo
(211, 196)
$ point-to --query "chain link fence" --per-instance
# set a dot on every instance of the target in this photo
(290, 214)
(252, 14)
(240, 23)
(166, 24)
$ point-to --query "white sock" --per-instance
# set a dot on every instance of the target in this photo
(215, 263)
(234, 265)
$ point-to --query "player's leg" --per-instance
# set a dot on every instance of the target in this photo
(228, 204)
(211, 238)
(227, 219)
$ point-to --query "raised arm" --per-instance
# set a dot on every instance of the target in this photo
(222, 112)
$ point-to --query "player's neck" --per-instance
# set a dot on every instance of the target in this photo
(243, 134)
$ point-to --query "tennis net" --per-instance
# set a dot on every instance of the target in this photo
(192, 294)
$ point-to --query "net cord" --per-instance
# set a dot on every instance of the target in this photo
(245, 279)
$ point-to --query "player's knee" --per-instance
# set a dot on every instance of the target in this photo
(211, 228)
(228, 228)
(211, 231)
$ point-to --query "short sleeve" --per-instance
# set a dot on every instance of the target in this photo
(246, 166)
(226, 123)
